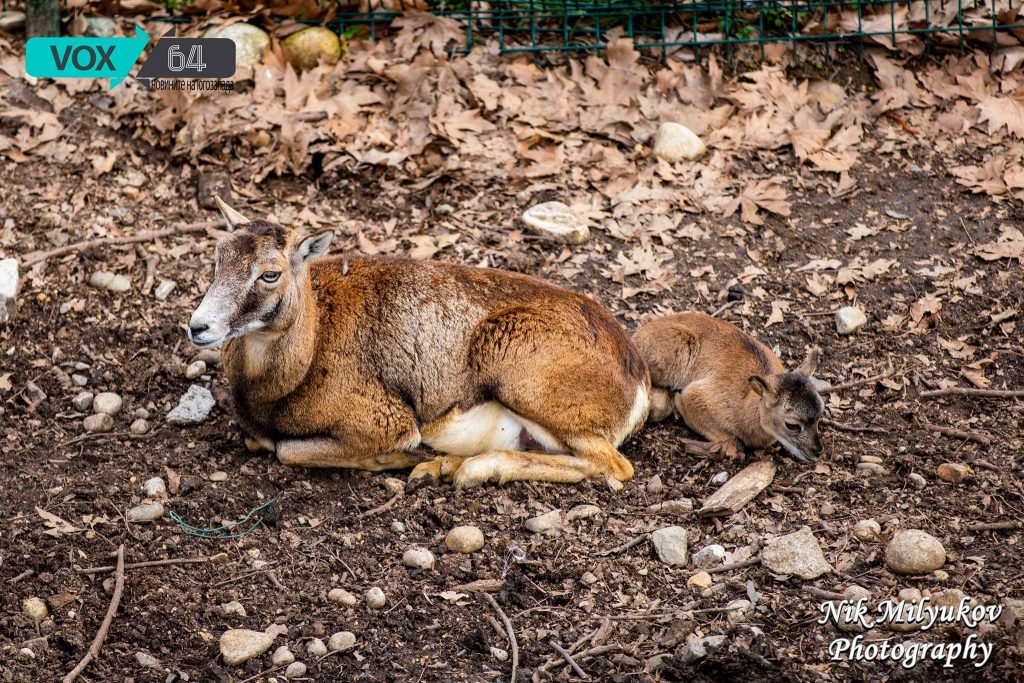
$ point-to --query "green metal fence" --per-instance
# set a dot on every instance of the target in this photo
(572, 25)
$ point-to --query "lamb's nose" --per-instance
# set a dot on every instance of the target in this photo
(196, 330)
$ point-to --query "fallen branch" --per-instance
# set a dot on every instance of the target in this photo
(509, 630)
(382, 508)
(969, 391)
(101, 634)
(857, 383)
(147, 563)
(823, 594)
(843, 427)
(627, 545)
(569, 660)
(996, 526)
(751, 562)
(957, 433)
(39, 257)
(106, 435)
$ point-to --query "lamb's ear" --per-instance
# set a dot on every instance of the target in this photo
(759, 385)
(810, 362)
(233, 218)
(312, 247)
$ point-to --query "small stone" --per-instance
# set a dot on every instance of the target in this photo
(316, 648)
(393, 485)
(953, 472)
(164, 289)
(79, 380)
(872, 469)
(914, 552)
(250, 43)
(103, 279)
(232, 609)
(239, 645)
(871, 458)
(375, 598)
(35, 608)
(796, 554)
(557, 221)
(709, 556)
(147, 660)
(693, 650)
(849, 319)
(720, 478)
(193, 407)
(855, 592)
(908, 596)
(670, 544)
(107, 402)
(155, 488)
(675, 142)
(147, 512)
(340, 596)
(867, 530)
(307, 47)
(499, 654)
(141, 414)
(739, 611)
(282, 656)
(582, 512)
(10, 22)
(916, 480)
(82, 401)
(444, 209)
(100, 27)
(671, 507)
(219, 475)
(8, 288)
(195, 369)
(940, 575)
(549, 523)
(98, 423)
(827, 509)
(589, 578)
(700, 580)
(614, 485)
(26, 653)
(139, 427)
(418, 558)
(654, 485)
(398, 527)
(295, 670)
(464, 539)
(341, 641)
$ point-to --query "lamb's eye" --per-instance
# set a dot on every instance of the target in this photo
(270, 276)
(793, 427)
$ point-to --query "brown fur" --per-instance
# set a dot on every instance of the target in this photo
(728, 386)
(361, 359)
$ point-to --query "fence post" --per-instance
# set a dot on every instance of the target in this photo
(42, 17)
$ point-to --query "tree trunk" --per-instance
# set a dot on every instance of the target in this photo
(42, 18)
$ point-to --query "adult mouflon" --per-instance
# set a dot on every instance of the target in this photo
(356, 362)
(728, 386)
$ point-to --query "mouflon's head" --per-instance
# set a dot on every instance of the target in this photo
(260, 269)
(790, 408)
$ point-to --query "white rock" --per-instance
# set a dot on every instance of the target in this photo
(139, 427)
(418, 558)
(193, 407)
(250, 42)
(693, 650)
(675, 142)
(340, 596)
(499, 654)
(195, 369)
(464, 539)
(8, 288)
(155, 488)
(316, 648)
(796, 554)
(916, 480)
(582, 512)
(670, 544)
(100, 422)
(232, 609)
(147, 660)
(103, 279)
(398, 527)
(739, 611)
(82, 401)
(295, 670)
(147, 512)
(549, 523)
(557, 221)
(654, 485)
(239, 645)
(282, 656)
(164, 289)
(107, 402)
(849, 319)
(375, 598)
(12, 21)
(720, 478)
(100, 27)
(341, 641)
(79, 380)
(867, 530)
(26, 653)
(35, 608)
(394, 485)
(914, 552)
(709, 556)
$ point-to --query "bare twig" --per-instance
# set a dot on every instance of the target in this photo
(147, 563)
(39, 257)
(101, 634)
(276, 668)
(823, 594)
(860, 382)
(106, 435)
(24, 575)
(569, 660)
(970, 391)
(509, 630)
(382, 508)
(751, 562)
(843, 427)
(976, 437)
(996, 526)
(627, 545)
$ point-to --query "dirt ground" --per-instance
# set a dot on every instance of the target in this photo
(562, 588)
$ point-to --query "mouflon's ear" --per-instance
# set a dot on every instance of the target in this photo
(233, 218)
(810, 362)
(758, 384)
(312, 247)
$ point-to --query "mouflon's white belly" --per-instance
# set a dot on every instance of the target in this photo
(488, 427)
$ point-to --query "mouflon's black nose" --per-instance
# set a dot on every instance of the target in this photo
(197, 330)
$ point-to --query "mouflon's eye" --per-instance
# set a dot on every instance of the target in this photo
(792, 426)
(270, 276)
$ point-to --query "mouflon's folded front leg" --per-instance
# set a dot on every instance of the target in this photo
(699, 408)
(331, 452)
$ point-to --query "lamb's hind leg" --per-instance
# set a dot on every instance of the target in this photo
(696, 406)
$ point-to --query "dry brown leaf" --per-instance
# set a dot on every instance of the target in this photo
(56, 525)
(1010, 244)
(1003, 112)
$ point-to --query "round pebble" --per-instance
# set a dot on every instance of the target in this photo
(295, 670)
(913, 551)
(155, 488)
(140, 427)
(282, 656)
(464, 539)
(867, 530)
(340, 596)
(98, 423)
(418, 558)
(82, 401)
(195, 369)
(35, 608)
(107, 402)
(147, 512)
(316, 648)
(953, 472)
(375, 598)
(916, 480)
(341, 641)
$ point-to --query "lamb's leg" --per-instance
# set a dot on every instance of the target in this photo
(697, 407)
